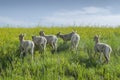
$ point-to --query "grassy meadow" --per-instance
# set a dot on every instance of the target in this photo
(63, 65)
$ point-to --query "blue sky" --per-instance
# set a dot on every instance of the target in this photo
(59, 12)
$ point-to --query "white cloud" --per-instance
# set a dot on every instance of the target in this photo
(13, 22)
(96, 10)
(83, 11)
(9, 21)
(84, 16)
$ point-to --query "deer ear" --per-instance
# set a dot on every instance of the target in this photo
(41, 31)
(98, 36)
(22, 34)
(73, 31)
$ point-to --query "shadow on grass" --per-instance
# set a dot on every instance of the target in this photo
(90, 62)
(83, 60)
(69, 73)
(63, 47)
(6, 59)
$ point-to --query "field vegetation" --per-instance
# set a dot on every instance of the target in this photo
(65, 64)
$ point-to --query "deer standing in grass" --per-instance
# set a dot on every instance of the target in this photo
(102, 48)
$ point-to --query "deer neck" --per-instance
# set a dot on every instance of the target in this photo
(21, 41)
(97, 41)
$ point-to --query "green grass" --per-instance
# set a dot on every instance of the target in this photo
(63, 65)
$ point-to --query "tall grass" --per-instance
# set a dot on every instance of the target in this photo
(63, 65)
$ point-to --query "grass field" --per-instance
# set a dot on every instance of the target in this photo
(63, 65)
